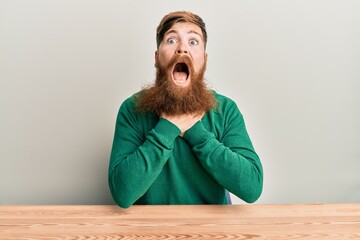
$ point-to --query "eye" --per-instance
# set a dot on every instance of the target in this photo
(194, 42)
(171, 40)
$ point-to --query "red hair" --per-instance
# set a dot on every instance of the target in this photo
(181, 16)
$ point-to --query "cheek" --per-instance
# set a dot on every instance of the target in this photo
(164, 60)
(164, 55)
(200, 61)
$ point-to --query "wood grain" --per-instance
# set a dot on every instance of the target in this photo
(308, 221)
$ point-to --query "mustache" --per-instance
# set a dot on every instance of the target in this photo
(181, 59)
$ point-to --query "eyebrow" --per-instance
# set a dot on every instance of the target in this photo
(191, 31)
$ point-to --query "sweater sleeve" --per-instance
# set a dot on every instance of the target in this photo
(136, 162)
(231, 160)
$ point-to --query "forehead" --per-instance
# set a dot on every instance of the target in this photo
(185, 28)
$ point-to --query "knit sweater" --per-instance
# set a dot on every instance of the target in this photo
(151, 164)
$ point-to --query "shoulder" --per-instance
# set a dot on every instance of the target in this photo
(129, 116)
(222, 98)
(224, 104)
(130, 103)
(128, 107)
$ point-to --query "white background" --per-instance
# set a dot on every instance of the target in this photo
(293, 67)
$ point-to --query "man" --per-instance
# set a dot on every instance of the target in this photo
(178, 142)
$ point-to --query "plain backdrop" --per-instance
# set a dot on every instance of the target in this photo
(293, 68)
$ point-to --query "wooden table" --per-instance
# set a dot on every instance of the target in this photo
(309, 221)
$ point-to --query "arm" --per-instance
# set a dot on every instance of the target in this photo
(136, 161)
(231, 160)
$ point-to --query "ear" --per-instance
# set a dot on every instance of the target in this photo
(205, 57)
(156, 59)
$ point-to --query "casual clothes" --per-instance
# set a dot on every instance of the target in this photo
(151, 164)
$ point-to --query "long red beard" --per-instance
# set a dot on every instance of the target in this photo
(166, 97)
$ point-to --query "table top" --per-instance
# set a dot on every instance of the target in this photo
(256, 221)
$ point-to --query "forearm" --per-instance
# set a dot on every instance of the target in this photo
(237, 168)
(134, 167)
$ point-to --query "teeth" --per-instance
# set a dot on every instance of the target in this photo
(180, 81)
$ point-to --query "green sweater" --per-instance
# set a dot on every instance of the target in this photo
(151, 164)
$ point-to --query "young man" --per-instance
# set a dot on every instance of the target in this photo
(178, 142)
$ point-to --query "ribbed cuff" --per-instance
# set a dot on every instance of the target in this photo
(166, 130)
(197, 134)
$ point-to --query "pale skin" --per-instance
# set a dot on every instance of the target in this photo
(183, 38)
(183, 122)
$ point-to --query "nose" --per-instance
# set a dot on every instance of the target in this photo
(182, 49)
(179, 51)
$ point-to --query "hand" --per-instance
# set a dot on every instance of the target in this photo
(185, 121)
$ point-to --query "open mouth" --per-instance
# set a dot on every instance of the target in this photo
(180, 73)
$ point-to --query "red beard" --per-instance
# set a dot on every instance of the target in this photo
(167, 97)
